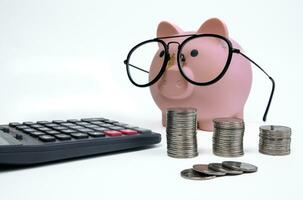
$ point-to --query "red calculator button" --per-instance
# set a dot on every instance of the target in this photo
(128, 132)
(112, 133)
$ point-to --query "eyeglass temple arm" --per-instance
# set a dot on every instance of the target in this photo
(125, 62)
(270, 78)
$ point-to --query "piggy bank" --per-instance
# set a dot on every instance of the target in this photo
(224, 98)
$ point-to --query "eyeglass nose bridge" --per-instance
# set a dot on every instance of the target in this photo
(170, 61)
(173, 42)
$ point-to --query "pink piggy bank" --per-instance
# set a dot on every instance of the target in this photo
(202, 61)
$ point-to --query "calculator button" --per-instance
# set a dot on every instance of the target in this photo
(100, 129)
(112, 121)
(44, 129)
(68, 131)
(22, 127)
(58, 121)
(128, 132)
(106, 125)
(116, 128)
(67, 124)
(142, 130)
(120, 124)
(63, 137)
(82, 123)
(19, 136)
(112, 133)
(85, 130)
(79, 135)
(96, 134)
(36, 126)
(52, 132)
(130, 126)
(75, 127)
(97, 122)
(28, 123)
(36, 133)
(5, 129)
(51, 125)
(43, 122)
(13, 124)
(29, 130)
(47, 138)
(93, 119)
(59, 128)
(91, 126)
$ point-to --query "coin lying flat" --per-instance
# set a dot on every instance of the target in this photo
(245, 167)
(193, 175)
(219, 167)
(205, 170)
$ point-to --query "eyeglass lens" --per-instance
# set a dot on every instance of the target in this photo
(206, 56)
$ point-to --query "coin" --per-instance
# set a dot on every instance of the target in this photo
(228, 137)
(181, 131)
(274, 140)
(193, 175)
(228, 123)
(245, 167)
(219, 167)
(202, 168)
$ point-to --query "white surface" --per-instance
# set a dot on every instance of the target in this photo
(64, 59)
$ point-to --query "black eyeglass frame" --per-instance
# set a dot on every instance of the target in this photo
(231, 50)
(163, 67)
(167, 58)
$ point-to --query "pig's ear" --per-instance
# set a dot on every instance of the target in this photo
(167, 29)
(214, 26)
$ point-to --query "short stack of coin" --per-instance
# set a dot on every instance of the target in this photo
(213, 170)
(274, 140)
(181, 129)
(228, 137)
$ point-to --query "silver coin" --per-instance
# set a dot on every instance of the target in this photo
(202, 168)
(219, 167)
(228, 137)
(193, 175)
(181, 132)
(245, 167)
(275, 129)
(274, 140)
(228, 120)
(274, 153)
(228, 123)
(228, 155)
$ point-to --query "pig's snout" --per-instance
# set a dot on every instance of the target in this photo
(174, 86)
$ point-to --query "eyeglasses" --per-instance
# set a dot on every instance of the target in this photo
(155, 53)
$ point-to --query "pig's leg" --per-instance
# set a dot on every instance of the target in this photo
(164, 119)
(205, 125)
(239, 115)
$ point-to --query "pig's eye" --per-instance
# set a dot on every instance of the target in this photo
(161, 54)
(182, 57)
(194, 52)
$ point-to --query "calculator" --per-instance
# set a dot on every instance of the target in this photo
(30, 143)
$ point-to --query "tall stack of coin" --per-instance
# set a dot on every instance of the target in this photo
(274, 140)
(181, 129)
(228, 137)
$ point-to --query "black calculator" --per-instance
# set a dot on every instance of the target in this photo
(30, 143)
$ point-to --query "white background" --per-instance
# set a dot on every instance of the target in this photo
(64, 59)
